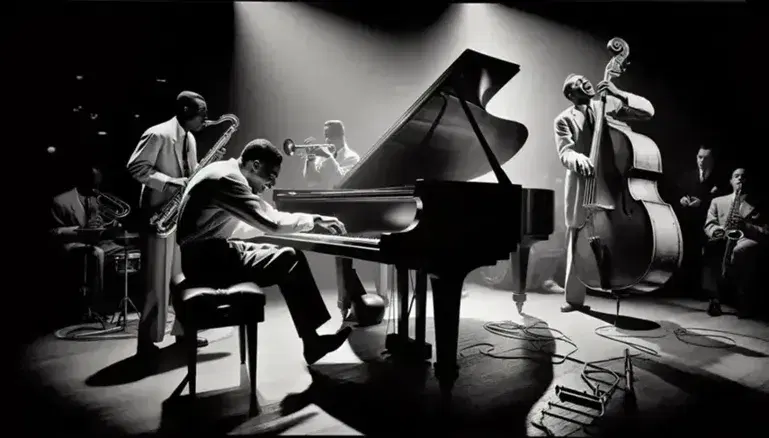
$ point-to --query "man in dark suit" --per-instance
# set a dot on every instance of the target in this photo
(78, 225)
(222, 207)
(750, 242)
(694, 191)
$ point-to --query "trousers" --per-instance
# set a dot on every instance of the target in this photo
(575, 290)
(221, 263)
(741, 270)
(92, 262)
(162, 260)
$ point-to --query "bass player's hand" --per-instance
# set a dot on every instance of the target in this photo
(583, 165)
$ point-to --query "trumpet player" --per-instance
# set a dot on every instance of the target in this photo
(324, 168)
(80, 225)
(162, 161)
(737, 233)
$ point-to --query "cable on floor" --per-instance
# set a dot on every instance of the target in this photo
(534, 335)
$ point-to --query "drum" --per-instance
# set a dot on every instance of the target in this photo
(134, 262)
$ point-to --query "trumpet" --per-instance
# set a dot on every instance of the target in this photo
(290, 148)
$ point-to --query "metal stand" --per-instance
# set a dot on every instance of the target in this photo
(87, 331)
(122, 321)
(618, 296)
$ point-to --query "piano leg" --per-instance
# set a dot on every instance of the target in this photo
(399, 345)
(403, 301)
(520, 263)
(344, 301)
(420, 298)
(447, 295)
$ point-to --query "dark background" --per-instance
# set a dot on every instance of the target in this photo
(698, 54)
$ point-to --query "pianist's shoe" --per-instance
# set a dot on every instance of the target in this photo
(317, 346)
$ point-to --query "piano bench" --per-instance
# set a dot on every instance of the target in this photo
(200, 307)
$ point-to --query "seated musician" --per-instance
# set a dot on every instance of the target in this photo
(323, 168)
(693, 192)
(728, 214)
(222, 206)
(573, 138)
(79, 226)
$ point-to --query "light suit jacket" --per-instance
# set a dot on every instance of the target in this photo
(756, 226)
(570, 142)
(325, 173)
(158, 157)
(219, 204)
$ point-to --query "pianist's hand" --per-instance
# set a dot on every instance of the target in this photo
(330, 225)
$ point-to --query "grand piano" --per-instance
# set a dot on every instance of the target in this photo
(409, 203)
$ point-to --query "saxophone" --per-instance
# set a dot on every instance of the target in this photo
(164, 220)
(732, 234)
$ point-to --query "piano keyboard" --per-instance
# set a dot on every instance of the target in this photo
(349, 240)
(364, 248)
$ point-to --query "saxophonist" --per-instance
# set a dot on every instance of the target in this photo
(78, 220)
(162, 161)
(737, 233)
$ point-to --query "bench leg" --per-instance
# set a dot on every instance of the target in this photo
(191, 341)
(242, 339)
(252, 343)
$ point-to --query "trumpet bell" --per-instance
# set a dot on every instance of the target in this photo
(289, 147)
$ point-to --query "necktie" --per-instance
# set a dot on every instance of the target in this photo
(92, 218)
(590, 117)
(185, 152)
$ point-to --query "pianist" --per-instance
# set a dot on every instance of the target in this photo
(323, 169)
(222, 207)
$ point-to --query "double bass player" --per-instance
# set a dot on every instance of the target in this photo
(574, 129)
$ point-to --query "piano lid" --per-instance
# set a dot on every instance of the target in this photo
(434, 140)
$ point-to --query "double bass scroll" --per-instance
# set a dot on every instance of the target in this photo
(631, 239)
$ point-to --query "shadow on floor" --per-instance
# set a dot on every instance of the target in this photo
(714, 406)
(380, 397)
(133, 369)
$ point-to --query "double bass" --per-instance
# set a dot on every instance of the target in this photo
(631, 240)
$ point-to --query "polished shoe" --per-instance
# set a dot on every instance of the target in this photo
(714, 308)
(319, 346)
(568, 307)
(202, 342)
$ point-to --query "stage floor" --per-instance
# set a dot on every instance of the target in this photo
(682, 381)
